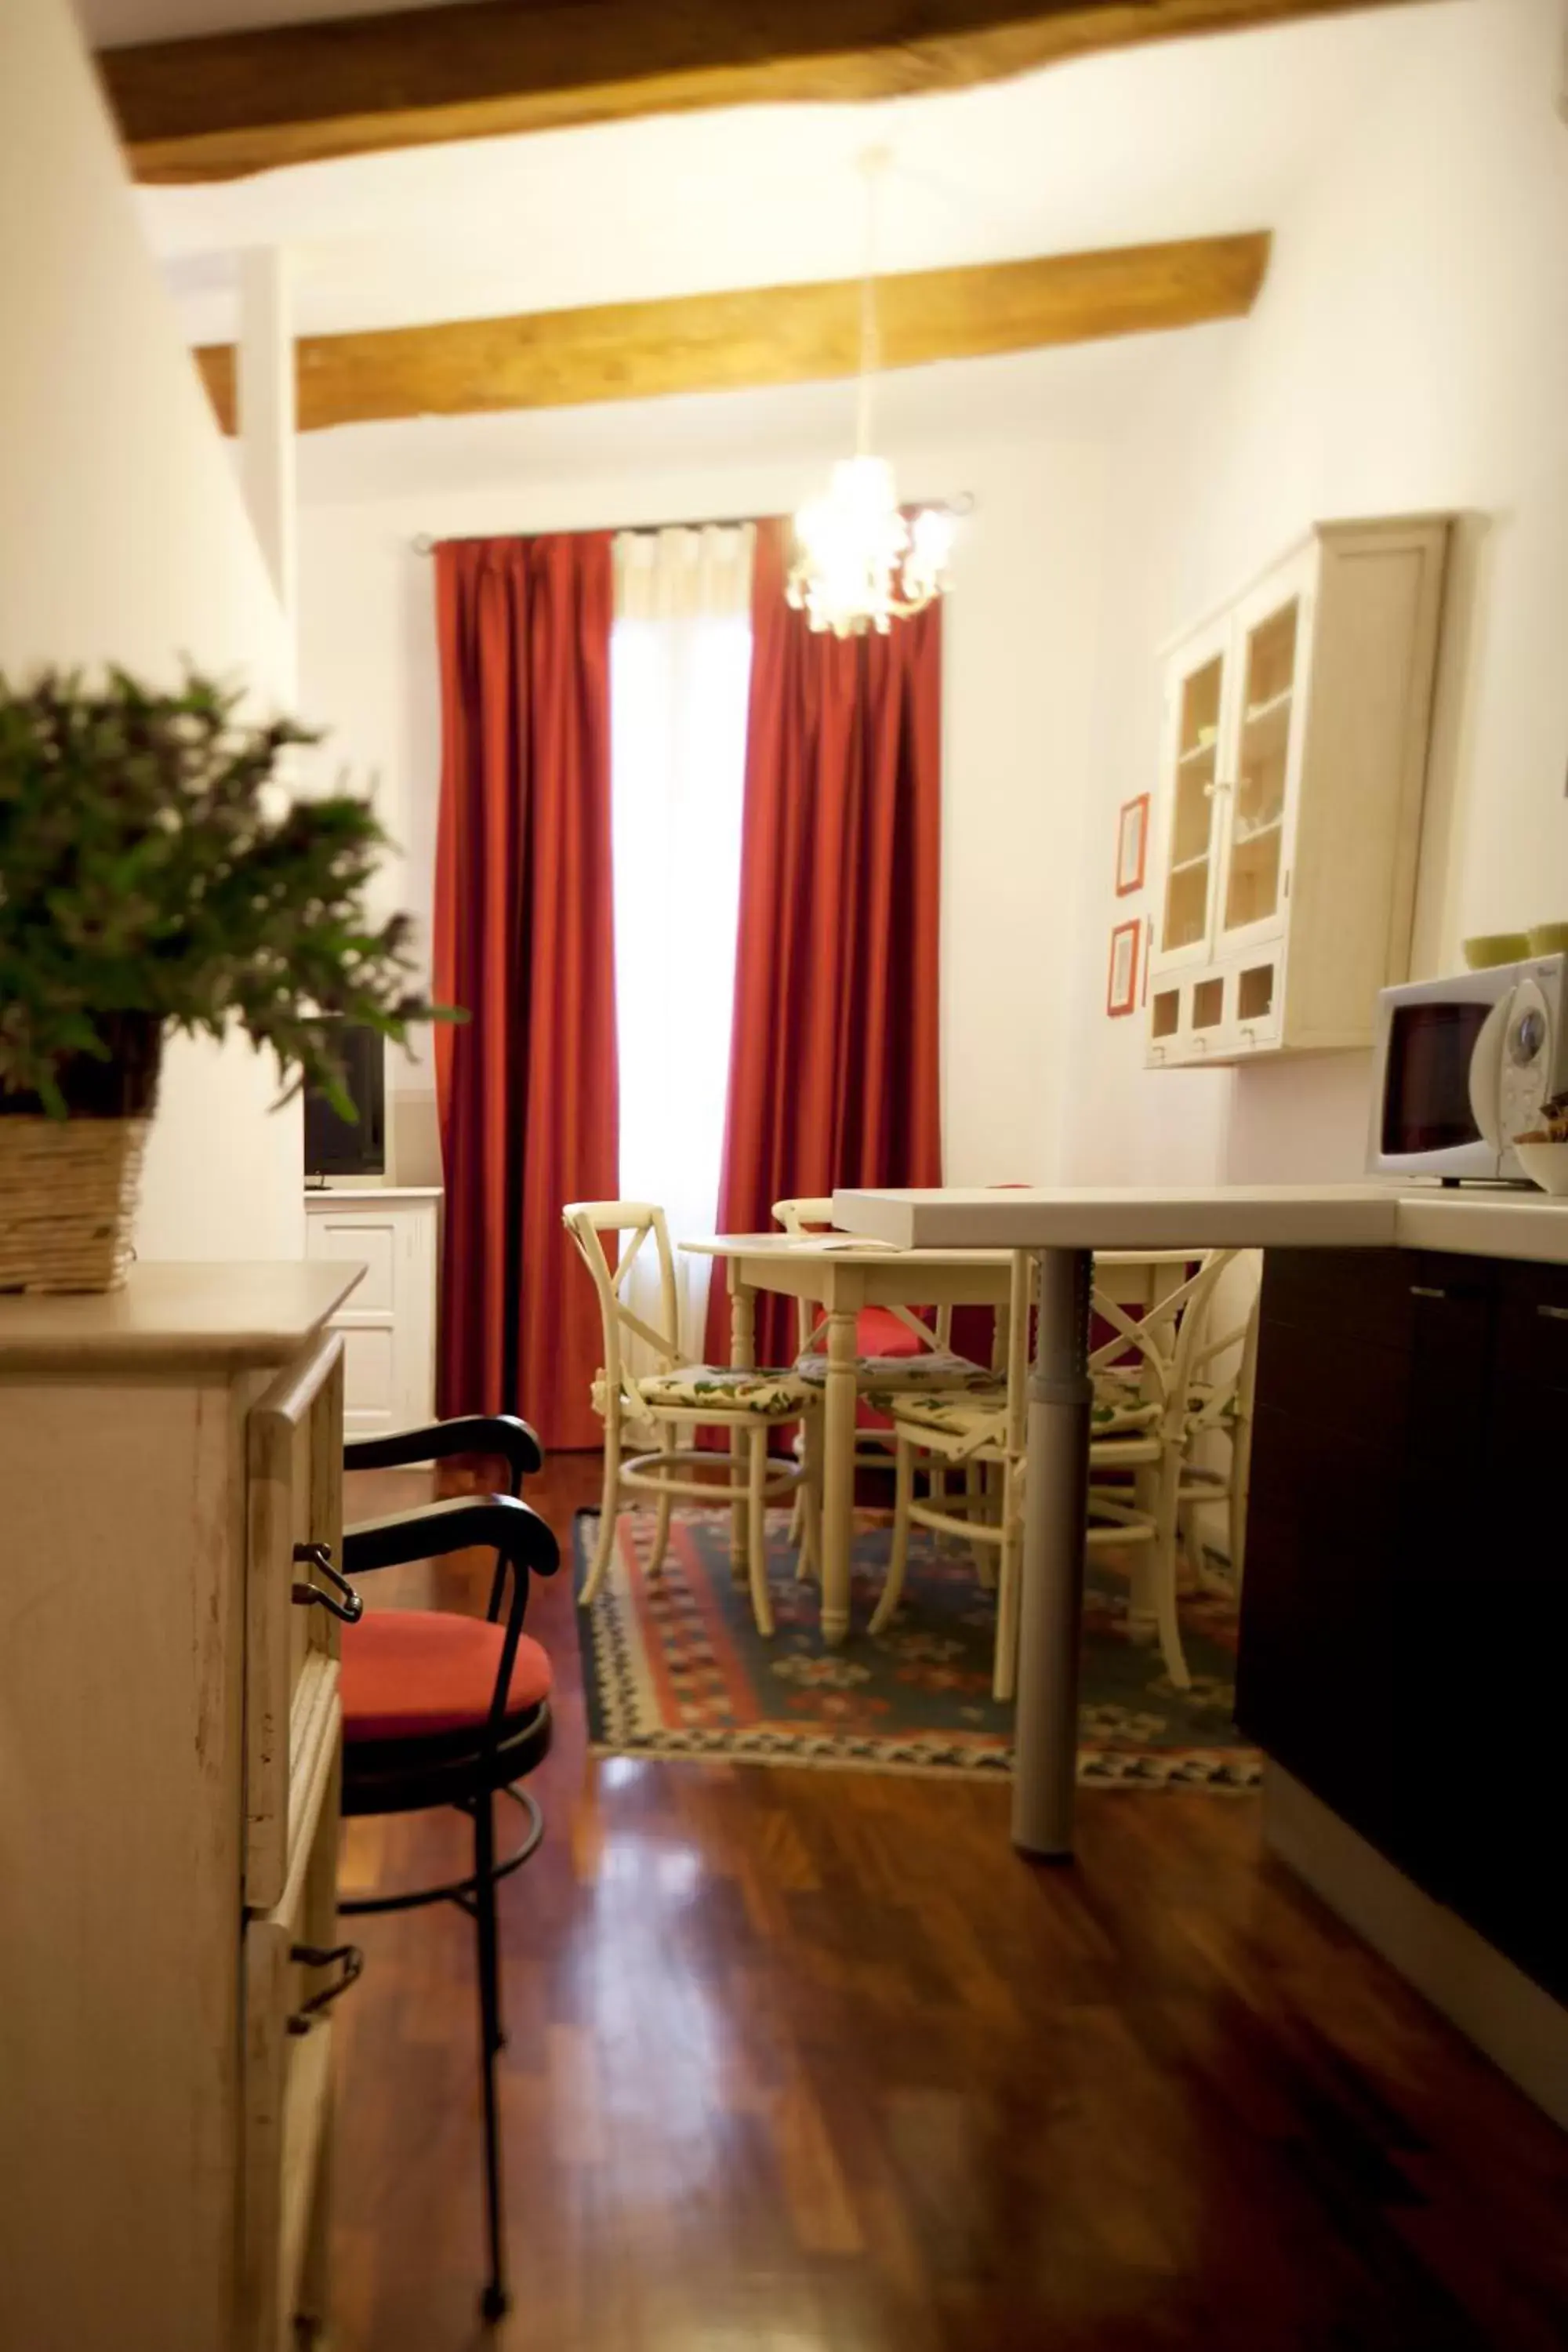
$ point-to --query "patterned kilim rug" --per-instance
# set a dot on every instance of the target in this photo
(674, 1667)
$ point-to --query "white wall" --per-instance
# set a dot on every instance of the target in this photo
(1409, 351)
(122, 537)
(1018, 652)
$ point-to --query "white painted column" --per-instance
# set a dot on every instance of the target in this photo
(265, 401)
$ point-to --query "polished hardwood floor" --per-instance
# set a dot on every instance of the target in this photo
(809, 2062)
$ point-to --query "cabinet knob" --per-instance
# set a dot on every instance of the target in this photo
(1553, 1314)
(347, 1959)
(1426, 1290)
(343, 1601)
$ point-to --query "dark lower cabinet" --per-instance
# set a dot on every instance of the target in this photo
(1405, 1623)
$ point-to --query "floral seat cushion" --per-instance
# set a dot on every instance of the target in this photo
(1120, 1408)
(1120, 1404)
(976, 1415)
(1215, 1407)
(932, 1368)
(780, 1396)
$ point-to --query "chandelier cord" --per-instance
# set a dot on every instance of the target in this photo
(872, 163)
(861, 561)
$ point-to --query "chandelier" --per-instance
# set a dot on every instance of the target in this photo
(861, 563)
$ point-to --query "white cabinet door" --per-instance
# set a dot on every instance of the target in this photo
(1192, 803)
(1260, 784)
(388, 1323)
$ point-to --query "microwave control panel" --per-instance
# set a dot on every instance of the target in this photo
(1524, 1077)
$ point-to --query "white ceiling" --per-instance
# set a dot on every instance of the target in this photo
(1183, 138)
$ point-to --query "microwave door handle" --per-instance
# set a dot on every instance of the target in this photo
(1486, 1073)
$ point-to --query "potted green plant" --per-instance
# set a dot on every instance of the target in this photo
(153, 874)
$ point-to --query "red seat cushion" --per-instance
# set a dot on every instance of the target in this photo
(411, 1674)
(879, 1332)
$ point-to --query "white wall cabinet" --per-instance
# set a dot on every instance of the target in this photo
(389, 1324)
(1297, 722)
(171, 1458)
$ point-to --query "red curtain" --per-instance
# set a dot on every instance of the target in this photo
(834, 1064)
(523, 940)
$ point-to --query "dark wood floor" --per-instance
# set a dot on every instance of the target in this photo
(810, 2062)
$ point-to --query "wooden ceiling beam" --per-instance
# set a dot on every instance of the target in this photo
(762, 335)
(222, 105)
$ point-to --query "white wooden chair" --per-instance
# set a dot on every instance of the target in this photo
(1224, 1389)
(1146, 1405)
(673, 1396)
(1145, 1418)
(972, 1429)
(928, 1363)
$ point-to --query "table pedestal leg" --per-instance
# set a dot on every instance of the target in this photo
(1046, 1732)
(743, 1355)
(841, 1398)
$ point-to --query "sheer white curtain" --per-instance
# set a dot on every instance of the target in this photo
(680, 657)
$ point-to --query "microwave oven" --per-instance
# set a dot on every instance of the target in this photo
(1462, 1066)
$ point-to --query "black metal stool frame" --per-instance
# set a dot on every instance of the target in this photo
(460, 1769)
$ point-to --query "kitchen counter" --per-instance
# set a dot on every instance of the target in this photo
(1495, 1221)
(1063, 1227)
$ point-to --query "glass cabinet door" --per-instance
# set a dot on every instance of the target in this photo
(1258, 795)
(1194, 803)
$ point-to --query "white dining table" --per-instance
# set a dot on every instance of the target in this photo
(841, 1274)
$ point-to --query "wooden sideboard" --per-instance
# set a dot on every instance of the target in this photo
(170, 1476)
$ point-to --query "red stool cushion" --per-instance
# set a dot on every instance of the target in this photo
(411, 1674)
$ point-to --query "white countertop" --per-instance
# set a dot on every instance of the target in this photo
(175, 1316)
(1478, 1223)
(314, 1192)
(859, 1248)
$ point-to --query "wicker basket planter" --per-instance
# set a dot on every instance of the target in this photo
(68, 1191)
(69, 1187)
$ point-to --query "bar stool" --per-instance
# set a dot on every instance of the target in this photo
(442, 1708)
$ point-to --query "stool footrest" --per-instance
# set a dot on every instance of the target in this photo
(459, 1891)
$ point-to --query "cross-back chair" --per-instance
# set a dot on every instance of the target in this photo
(1144, 1415)
(1223, 1388)
(1144, 1405)
(973, 1430)
(895, 1349)
(674, 1396)
(895, 1346)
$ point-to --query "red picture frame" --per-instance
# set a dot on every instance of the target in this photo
(1122, 979)
(1132, 845)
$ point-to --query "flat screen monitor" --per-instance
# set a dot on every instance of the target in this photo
(341, 1147)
